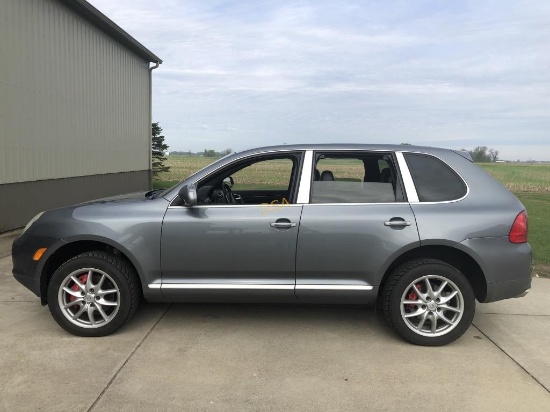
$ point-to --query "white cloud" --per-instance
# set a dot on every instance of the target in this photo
(457, 74)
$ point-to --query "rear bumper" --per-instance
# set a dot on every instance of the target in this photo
(506, 266)
(505, 290)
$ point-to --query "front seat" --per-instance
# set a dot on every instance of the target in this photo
(316, 175)
(327, 176)
(385, 176)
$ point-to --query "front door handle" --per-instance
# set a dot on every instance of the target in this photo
(397, 222)
(282, 224)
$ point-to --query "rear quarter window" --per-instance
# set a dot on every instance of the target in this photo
(434, 180)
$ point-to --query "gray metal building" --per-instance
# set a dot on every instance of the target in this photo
(75, 108)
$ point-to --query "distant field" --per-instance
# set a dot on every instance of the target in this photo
(184, 166)
(521, 177)
(530, 182)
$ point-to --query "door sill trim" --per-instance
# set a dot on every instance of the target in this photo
(237, 286)
(253, 286)
(333, 287)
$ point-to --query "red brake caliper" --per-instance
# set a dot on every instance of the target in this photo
(82, 279)
(413, 296)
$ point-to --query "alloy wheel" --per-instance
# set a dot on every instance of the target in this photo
(432, 305)
(89, 298)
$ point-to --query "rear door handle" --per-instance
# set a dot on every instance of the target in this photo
(282, 224)
(397, 222)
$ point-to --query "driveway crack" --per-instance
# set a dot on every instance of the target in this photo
(127, 360)
(512, 359)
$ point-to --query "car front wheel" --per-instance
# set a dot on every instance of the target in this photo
(93, 294)
(428, 302)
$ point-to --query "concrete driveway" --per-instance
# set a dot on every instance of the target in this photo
(251, 358)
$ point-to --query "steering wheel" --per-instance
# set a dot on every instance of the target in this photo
(228, 195)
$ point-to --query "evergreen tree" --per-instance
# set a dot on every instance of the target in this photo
(159, 148)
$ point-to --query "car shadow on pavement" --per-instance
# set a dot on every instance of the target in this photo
(266, 317)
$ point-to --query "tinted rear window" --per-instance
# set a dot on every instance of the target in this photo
(434, 180)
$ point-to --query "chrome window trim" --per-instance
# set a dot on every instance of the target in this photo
(408, 182)
(305, 179)
(446, 164)
(359, 149)
(358, 204)
(233, 206)
(236, 159)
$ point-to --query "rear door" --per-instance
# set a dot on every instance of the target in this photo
(352, 226)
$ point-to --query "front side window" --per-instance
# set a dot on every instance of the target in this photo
(434, 180)
(266, 179)
(270, 174)
(355, 177)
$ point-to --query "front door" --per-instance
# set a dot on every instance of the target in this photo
(240, 241)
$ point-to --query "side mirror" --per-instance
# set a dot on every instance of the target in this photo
(189, 194)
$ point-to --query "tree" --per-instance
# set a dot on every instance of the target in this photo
(159, 149)
(225, 152)
(482, 154)
(479, 154)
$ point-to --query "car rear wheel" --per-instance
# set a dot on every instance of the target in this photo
(93, 294)
(428, 302)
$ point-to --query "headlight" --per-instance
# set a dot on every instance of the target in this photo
(34, 219)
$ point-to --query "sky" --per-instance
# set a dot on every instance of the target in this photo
(250, 73)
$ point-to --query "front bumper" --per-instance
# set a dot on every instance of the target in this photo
(25, 270)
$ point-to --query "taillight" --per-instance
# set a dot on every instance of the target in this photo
(520, 229)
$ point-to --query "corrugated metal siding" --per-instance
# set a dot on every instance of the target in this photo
(72, 101)
(33, 197)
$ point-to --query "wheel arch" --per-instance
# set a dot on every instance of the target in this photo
(73, 247)
(451, 255)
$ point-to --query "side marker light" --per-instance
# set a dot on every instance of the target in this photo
(38, 254)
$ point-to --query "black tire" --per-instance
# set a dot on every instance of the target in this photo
(119, 277)
(400, 285)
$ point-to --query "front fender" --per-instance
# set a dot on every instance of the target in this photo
(109, 242)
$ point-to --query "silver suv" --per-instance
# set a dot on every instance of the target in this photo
(422, 231)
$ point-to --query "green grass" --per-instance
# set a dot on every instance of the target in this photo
(182, 167)
(529, 182)
(521, 177)
(538, 209)
(163, 184)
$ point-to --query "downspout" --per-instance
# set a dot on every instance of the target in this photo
(151, 122)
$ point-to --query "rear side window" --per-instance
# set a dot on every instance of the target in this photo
(353, 178)
(434, 180)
